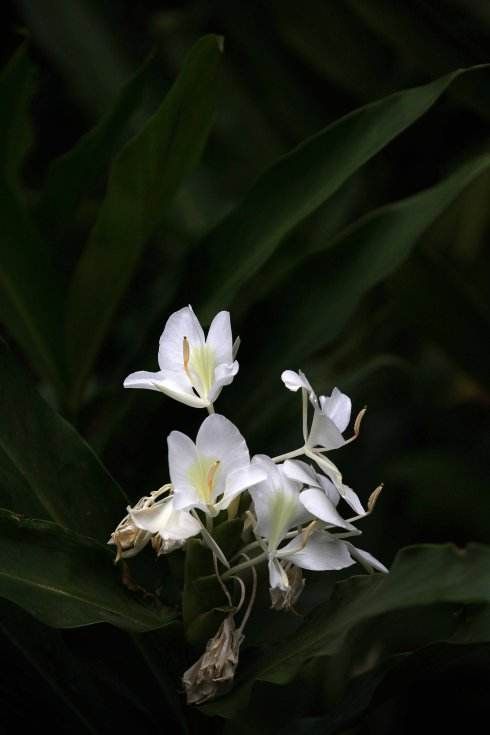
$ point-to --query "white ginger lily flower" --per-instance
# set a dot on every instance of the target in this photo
(193, 368)
(170, 528)
(331, 414)
(209, 474)
(279, 507)
(322, 493)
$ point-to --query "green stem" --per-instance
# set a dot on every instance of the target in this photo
(244, 565)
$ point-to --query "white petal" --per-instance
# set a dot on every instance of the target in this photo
(153, 519)
(294, 381)
(366, 559)
(223, 375)
(331, 470)
(165, 383)
(338, 408)
(219, 439)
(240, 480)
(352, 499)
(219, 338)
(301, 472)
(329, 489)
(324, 433)
(182, 323)
(236, 347)
(317, 503)
(278, 579)
(182, 455)
(276, 502)
(320, 553)
(164, 519)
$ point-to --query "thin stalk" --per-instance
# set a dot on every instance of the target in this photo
(289, 455)
(244, 565)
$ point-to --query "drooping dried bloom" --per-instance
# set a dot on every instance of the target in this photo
(127, 537)
(285, 599)
(213, 672)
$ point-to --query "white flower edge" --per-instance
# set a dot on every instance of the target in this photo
(193, 368)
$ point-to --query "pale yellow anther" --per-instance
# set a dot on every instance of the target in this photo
(212, 474)
(374, 497)
(186, 353)
(186, 350)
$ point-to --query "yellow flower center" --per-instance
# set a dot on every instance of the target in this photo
(202, 475)
(199, 366)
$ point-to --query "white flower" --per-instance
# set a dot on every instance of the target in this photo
(170, 528)
(212, 472)
(276, 502)
(321, 493)
(331, 414)
(279, 507)
(193, 369)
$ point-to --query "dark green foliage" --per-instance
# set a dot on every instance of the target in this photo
(358, 255)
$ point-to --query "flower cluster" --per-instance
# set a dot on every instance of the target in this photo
(293, 515)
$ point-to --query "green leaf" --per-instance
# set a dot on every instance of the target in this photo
(421, 576)
(71, 176)
(45, 457)
(31, 289)
(66, 580)
(16, 89)
(333, 282)
(297, 184)
(143, 179)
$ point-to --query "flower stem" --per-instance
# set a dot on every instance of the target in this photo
(244, 565)
(289, 455)
(210, 409)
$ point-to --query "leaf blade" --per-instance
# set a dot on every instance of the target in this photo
(66, 580)
(45, 455)
(299, 183)
(423, 575)
(144, 177)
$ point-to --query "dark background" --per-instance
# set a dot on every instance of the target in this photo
(415, 351)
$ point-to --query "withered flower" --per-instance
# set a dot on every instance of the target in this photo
(213, 672)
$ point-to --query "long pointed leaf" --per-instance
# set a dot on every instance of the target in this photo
(421, 576)
(143, 179)
(66, 580)
(73, 174)
(330, 284)
(297, 185)
(45, 457)
(31, 290)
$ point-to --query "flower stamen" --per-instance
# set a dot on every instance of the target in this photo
(212, 476)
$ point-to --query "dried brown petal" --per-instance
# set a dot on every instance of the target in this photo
(213, 672)
(286, 599)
